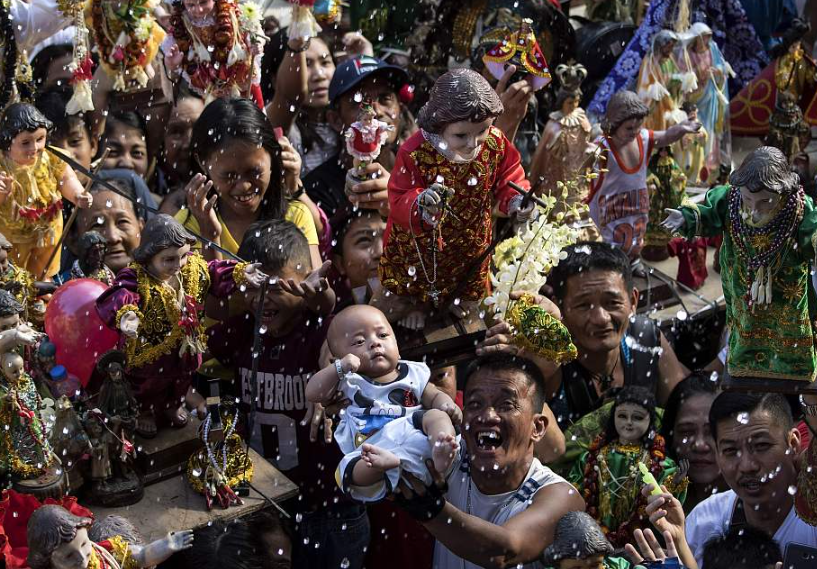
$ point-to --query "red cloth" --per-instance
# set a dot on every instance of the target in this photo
(691, 260)
(257, 96)
(15, 511)
(362, 146)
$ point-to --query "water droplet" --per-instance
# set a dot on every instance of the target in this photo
(472, 181)
(196, 472)
(65, 430)
(358, 97)
(345, 564)
(262, 329)
(792, 490)
(108, 203)
(743, 418)
(682, 315)
(412, 271)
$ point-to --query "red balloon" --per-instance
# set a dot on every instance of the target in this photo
(74, 326)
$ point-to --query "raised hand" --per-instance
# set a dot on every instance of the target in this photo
(350, 363)
(180, 540)
(129, 324)
(313, 285)
(291, 162)
(174, 58)
(255, 278)
(649, 549)
(202, 207)
(6, 185)
(674, 222)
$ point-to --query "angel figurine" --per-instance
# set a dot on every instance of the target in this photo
(767, 223)
(156, 304)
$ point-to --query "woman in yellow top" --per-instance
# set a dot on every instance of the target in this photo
(236, 147)
(32, 185)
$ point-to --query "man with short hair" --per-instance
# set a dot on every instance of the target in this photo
(501, 505)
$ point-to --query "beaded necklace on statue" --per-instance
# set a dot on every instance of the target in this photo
(780, 231)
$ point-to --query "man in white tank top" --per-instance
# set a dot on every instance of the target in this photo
(502, 505)
(619, 201)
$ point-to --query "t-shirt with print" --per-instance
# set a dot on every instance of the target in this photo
(712, 518)
(284, 367)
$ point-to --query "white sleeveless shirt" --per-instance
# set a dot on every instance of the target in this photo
(495, 508)
(619, 201)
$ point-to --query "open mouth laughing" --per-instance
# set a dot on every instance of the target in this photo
(488, 440)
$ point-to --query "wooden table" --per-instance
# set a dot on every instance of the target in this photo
(172, 505)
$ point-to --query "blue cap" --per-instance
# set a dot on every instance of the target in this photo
(58, 373)
(353, 71)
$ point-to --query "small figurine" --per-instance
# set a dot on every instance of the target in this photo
(32, 185)
(366, 136)
(565, 148)
(619, 199)
(518, 48)
(57, 539)
(620, 11)
(702, 57)
(608, 475)
(92, 248)
(448, 179)
(767, 223)
(691, 254)
(156, 304)
(222, 465)
(70, 442)
(659, 83)
(379, 433)
(17, 281)
(127, 37)
(217, 46)
(690, 151)
(579, 542)
(787, 129)
(666, 185)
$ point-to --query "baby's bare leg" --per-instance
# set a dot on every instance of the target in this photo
(373, 464)
(437, 425)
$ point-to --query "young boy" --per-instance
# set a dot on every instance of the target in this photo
(70, 131)
(619, 201)
(294, 326)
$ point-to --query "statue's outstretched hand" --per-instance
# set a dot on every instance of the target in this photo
(674, 222)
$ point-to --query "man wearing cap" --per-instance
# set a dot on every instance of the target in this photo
(329, 185)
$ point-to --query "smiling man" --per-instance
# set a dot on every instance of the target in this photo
(502, 504)
(757, 446)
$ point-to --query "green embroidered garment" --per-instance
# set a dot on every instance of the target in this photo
(776, 340)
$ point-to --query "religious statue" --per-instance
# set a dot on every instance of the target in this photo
(787, 129)
(70, 442)
(32, 186)
(14, 279)
(217, 46)
(659, 82)
(156, 304)
(702, 57)
(564, 151)
(621, 11)
(690, 151)
(767, 223)
(608, 474)
(57, 539)
(666, 184)
(91, 249)
(447, 180)
(366, 136)
(579, 542)
(518, 48)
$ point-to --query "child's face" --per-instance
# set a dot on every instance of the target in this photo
(75, 554)
(167, 263)
(282, 311)
(199, 8)
(361, 250)
(632, 422)
(127, 149)
(178, 133)
(592, 562)
(465, 138)
(365, 332)
(114, 217)
(27, 146)
(627, 131)
(78, 143)
(241, 174)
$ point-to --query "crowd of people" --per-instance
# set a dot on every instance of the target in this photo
(281, 210)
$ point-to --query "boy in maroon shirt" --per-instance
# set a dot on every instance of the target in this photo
(295, 318)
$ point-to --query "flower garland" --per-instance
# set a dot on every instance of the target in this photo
(594, 485)
(127, 39)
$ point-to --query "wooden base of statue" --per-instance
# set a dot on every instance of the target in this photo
(655, 253)
(767, 385)
(443, 341)
(52, 484)
(116, 492)
(166, 454)
(652, 292)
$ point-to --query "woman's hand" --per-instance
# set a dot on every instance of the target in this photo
(202, 207)
(291, 162)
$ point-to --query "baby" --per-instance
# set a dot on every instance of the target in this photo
(403, 419)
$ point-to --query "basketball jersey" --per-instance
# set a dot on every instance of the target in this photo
(619, 202)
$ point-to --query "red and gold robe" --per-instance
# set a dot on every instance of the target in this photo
(463, 234)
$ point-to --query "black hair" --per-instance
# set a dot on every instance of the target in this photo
(636, 395)
(227, 120)
(502, 362)
(586, 256)
(696, 383)
(741, 548)
(730, 404)
(161, 232)
(125, 186)
(268, 521)
(130, 119)
(88, 240)
(225, 545)
(52, 103)
(795, 31)
(688, 107)
(113, 525)
(40, 63)
(343, 221)
(9, 305)
(21, 117)
(276, 243)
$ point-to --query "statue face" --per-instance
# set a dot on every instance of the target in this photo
(27, 147)
(13, 369)
(115, 371)
(167, 263)
(759, 206)
(632, 422)
(465, 138)
(569, 105)
(75, 554)
(9, 322)
(95, 255)
(666, 49)
(199, 9)
(592, 562)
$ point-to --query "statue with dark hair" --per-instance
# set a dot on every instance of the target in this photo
(788, 131)
(157, 306)
(577, 536)
(768, 223)
(91, 250)
(18, 118)
(57, 538)
(608, 474)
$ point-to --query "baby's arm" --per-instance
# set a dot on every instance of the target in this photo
(433, 398)
(322, 386)
(72, 190)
